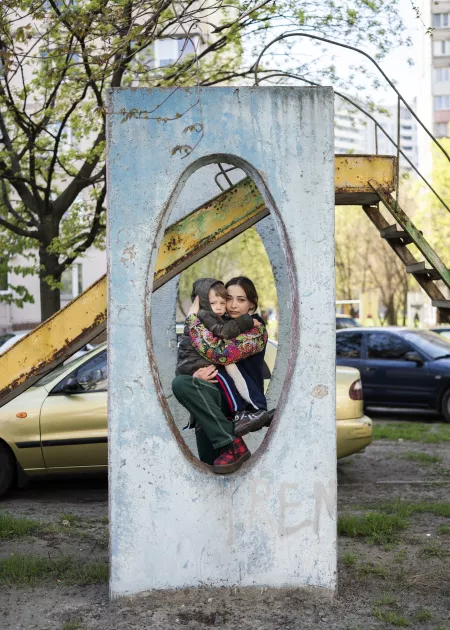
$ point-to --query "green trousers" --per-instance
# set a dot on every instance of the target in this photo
(207, 405)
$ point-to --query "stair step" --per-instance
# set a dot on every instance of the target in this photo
(420, 269)
(441, 303)
(391, 233)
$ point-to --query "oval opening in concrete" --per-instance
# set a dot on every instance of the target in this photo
(256, 253)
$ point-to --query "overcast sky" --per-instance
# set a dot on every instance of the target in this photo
(396, 63)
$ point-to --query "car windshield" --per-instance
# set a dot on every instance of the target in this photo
(445, 334)
(48, 378)
(5, 337)
(429, 342)
(346, 322)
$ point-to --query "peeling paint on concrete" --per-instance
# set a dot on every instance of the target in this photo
(173, 523)
(320, 391)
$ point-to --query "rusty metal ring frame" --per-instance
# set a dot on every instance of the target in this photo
(376, 123)
(361, 52)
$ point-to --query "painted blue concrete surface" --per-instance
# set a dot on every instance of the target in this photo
(273, 522)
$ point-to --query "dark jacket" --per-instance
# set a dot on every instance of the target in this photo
(188, 359)
(225, 327)
(252, 369)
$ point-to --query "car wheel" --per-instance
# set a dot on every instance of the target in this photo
(7, 469)
(445, 409)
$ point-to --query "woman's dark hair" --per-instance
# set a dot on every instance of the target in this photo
(248, 286)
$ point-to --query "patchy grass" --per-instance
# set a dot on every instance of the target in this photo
(376, 527)
(369, 568)
(390, 616)
(72, 625)
(12, 527)
(423, 458)
(413, 431)
(423, 615)
(400, 556)
(31, 570)
(387, 600)
(349, 559)
(68, 520)
(77, 529)
(407, 508)
(444, 529)
(433, 549)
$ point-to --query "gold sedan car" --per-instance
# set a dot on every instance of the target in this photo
(354, 430)
(60, 424)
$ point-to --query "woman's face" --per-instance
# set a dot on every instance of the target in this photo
(237, 302)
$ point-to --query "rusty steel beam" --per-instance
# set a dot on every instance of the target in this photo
(185, 242)
(207, 228)
(54, 341)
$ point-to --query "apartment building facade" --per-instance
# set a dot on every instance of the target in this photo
(408, 136)
(440, 72)
(433, 93)
(353, 131)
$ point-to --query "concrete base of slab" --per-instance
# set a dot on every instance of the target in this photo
(208, 595)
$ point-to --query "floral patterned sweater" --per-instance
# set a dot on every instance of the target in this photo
(225, 351)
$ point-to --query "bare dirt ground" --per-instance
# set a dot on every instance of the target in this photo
(401, 580)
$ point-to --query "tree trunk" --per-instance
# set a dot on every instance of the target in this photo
(50, 298)
(391, 315)
(405, 303)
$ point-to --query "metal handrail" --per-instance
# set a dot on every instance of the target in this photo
(362, 52)
(377, 126)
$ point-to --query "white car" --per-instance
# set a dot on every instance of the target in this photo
(13, 337)
(9, 339)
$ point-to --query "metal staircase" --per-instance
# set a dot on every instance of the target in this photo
(426, 272)
(426, 276)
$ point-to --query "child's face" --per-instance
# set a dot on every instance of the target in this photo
(218, 304)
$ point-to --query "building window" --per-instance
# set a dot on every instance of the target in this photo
(343, 139)
(441, 103)
(441, 20)
(168, 51)
(442, 75)
(72, 281)
(441, 48)
(441, 130)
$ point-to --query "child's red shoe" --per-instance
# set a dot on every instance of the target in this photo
(232, 457)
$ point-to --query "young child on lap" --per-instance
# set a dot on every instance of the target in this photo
(219, 323)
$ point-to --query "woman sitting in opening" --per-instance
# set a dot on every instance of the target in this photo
(211, 394)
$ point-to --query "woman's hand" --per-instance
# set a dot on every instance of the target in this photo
(256, 322)
(207, 374)
(195, 306)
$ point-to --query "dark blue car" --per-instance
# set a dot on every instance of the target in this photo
(400, 367)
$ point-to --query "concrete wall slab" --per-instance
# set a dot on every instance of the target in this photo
(173, 522)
